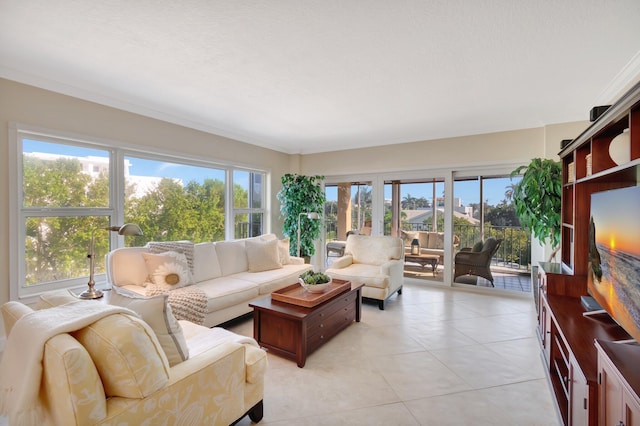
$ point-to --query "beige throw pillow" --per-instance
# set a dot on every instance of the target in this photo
(156, 312)
(126, 355)
(168, 270)
(263, 255)
(283, 251)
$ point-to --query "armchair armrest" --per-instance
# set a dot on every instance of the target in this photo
(342, 262)
(387, 267)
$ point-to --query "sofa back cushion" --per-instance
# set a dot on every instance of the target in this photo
(262, 255)
(423, 239)
(232, 257)
(436, 240)
(374, 250)
(205, 262)
(127, 355)
(126, 266)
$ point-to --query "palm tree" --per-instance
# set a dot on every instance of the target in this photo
(408, 202)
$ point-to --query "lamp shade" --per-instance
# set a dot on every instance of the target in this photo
(620, 148)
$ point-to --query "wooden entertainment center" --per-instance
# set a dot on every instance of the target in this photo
(594, 382)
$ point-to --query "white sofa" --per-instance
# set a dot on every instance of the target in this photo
(378, 262)
(230, 273)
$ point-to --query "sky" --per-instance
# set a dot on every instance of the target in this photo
(467, 191)
(616, 217)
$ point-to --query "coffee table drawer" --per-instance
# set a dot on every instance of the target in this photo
(341, 302)
(330, 327)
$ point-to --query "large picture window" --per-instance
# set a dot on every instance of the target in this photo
(68, 188)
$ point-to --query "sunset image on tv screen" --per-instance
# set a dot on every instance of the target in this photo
(614, 255)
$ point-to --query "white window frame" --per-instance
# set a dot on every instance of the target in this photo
(115, 211)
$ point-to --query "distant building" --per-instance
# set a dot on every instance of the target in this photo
(94, 166)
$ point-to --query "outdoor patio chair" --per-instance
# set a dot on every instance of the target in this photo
(478, 263)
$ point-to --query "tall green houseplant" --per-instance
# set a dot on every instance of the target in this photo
(537, 198)
(301, 194)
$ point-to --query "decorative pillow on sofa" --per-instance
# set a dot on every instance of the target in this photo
(184, 247)
(126, 354)
(436, 240)
(156, 312)
(263, 255)
(283, 251)
(168, 270)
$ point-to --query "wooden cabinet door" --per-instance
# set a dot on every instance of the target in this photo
(631, 410)
(609, 394)
(579, 394)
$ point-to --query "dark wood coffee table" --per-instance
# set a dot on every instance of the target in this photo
(423, 260)
(293, 331)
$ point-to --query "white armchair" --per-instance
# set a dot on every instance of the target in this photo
(378, 262)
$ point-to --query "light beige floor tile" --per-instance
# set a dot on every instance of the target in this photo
(419, 374)
(434, 356)
(523, 404)
(481, 367)
(383, 415)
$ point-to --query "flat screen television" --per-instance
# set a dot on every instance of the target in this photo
(614, 255)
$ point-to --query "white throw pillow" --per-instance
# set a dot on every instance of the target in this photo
(263, 255)
(156, 312)
(168, 270)
(184, 247)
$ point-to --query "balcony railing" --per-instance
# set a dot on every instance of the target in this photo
(514, 253)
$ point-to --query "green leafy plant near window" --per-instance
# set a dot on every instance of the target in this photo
(301, 194)
(537, 198)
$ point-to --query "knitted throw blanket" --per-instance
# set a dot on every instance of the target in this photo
(187, 303)
(21, 365)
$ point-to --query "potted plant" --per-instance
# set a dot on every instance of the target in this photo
(315, 282)
(299, 196)
(537, 198)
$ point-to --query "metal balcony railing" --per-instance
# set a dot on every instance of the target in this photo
(513, 255)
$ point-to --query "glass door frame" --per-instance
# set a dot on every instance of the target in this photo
(377, 199)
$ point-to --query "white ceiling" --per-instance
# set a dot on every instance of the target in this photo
(305, 76)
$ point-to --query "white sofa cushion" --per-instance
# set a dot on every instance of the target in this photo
(205, 262)
(274, 279)
(232, 256)
(227, 291)
(128, 266)
(373, 250)
(359, 272)
(262, 255)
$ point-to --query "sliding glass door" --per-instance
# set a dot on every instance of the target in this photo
(483, 209)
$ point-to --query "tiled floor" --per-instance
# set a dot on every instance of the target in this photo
(435, 356)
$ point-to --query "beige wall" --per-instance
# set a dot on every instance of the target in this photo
(36, 107)
(491, 149)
